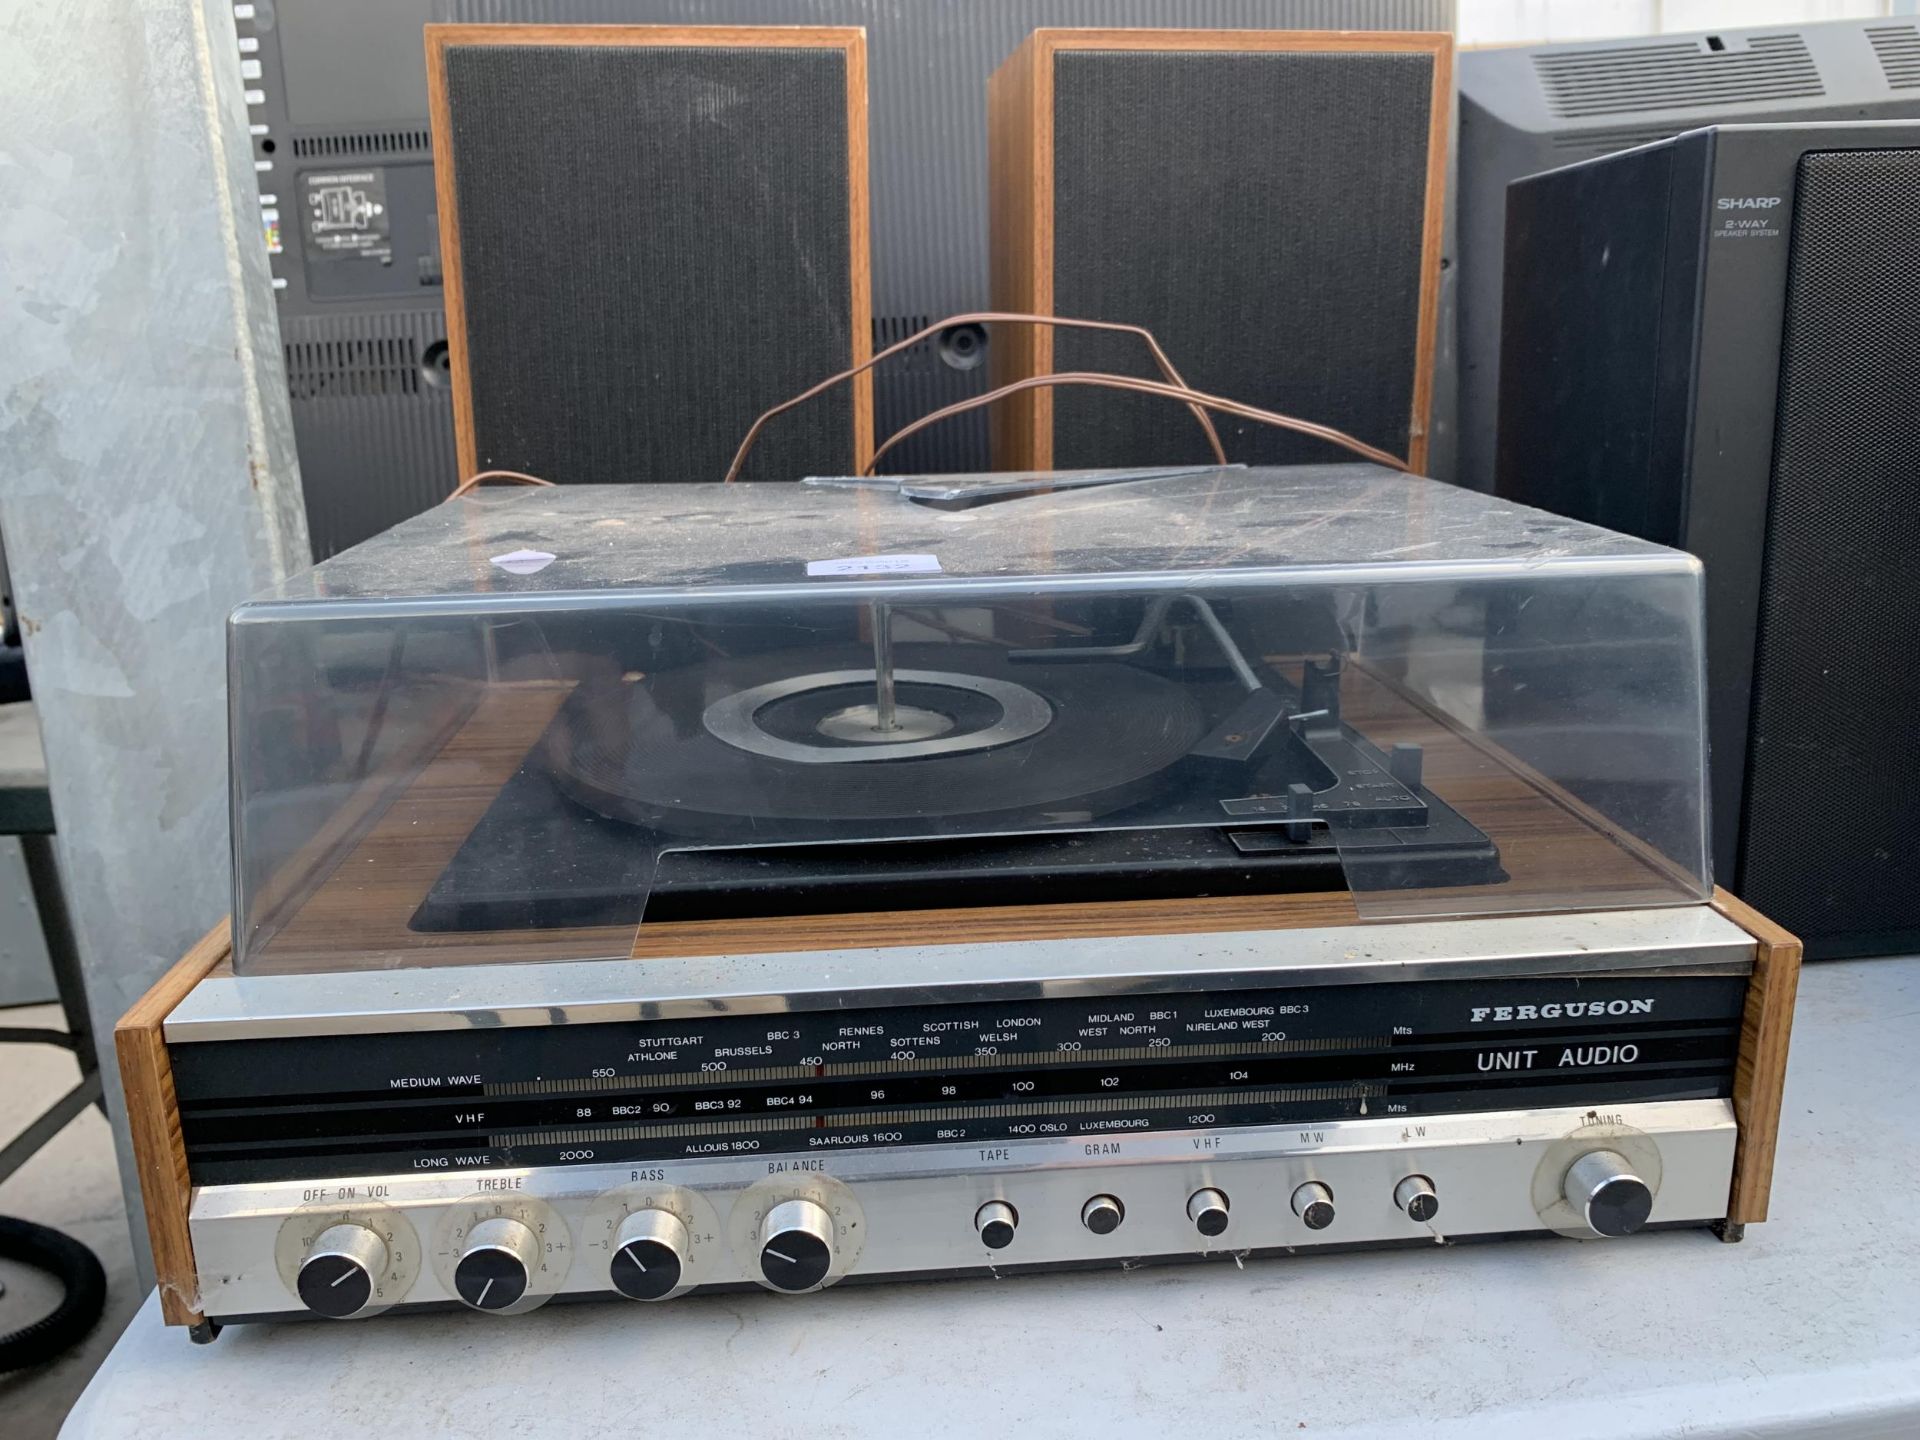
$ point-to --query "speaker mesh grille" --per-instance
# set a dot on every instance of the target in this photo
(655, 247)
(1261, 214)
(1829, 843)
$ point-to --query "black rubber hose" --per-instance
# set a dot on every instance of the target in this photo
(79, 1274)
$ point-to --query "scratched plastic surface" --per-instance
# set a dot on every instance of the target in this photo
(703, 666)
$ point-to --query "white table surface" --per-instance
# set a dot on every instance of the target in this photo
(1811, 1326)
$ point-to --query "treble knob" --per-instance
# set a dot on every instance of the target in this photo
(649, 1255)
(497, 1265)
(339, 1274)
(796, 1246)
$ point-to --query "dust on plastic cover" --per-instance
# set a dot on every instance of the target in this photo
(535, 724)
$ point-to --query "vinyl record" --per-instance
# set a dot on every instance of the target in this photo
(781, 747)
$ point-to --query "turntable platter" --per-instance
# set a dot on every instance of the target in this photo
(792, 737)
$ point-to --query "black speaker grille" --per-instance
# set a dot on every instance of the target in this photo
(1261, 214)
(655, 248)
(1829, 841)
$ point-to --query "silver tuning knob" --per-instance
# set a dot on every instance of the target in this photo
(1604, 1191)
(796, 1246)
(649, 1255)
(497, 1265)
(340, 1272)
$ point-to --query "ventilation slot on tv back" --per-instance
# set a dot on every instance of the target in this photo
(1897, 48)
(366, 142)
(353, 369)
(1580, 144)
(1676, 76)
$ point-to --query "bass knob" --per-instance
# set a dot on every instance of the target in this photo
(649, 1255)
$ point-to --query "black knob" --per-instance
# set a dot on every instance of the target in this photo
(645, 1270)
(336, 1286)
(336, 1279)
(497, 1265)
(798, 1249)
(649, 1255)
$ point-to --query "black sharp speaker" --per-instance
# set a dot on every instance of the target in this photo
(1267, 203)
(650, 235)
(1528, 108)
(1714, 342)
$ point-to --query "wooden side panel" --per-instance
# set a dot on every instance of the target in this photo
(153, 1118)
(1020, 210)
(860, 228)
(853, 41)
(453, 287)
(1760, 1075)
(1432, 237)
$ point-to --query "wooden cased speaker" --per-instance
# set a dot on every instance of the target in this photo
(1269, 204)
(651, 235)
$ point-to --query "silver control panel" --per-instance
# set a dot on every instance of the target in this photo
(506, 1242)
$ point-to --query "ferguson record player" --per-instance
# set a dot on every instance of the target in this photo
(644, 889)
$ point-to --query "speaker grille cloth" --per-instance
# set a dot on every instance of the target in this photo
(1261, 214)
(1829, 840)
(655, 247)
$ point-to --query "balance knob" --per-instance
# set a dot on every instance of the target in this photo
(796, 1246)
(497, 1264)
(1603, 1190)
(649, 1255)
(1313, 1203)
(1207, 1209)
(995, 1222)
(1415, 1195)
(338, 1275)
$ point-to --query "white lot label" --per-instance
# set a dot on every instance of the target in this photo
(524, 562)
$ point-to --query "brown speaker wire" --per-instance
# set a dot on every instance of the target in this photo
(475, 481)
(1190, 396)
(980, 317)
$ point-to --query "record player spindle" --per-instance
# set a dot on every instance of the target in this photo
(884, 718)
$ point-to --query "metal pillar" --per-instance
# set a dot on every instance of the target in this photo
(147, 473)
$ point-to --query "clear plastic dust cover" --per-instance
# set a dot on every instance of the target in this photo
(539, 724)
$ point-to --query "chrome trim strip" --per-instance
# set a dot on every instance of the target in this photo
(1687, 939)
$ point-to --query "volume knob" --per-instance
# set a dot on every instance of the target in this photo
(649, 1255)
(796, 1246)
(339, 1274)
(497, 1265)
